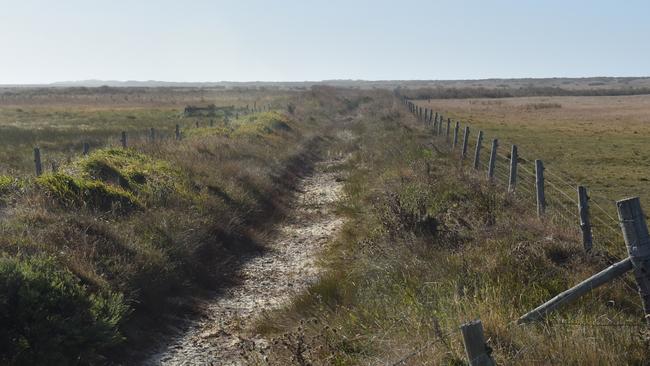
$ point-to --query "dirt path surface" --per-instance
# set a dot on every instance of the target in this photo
(269, 280)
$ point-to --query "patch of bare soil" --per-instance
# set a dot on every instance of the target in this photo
(268, 281)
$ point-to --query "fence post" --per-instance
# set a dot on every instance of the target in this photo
(637, 240)
(426, 114)
(440, 126)
(539, 184)
(448, 129)
(123, 139)
(436, 117)
(585, 225)
(477, 152)
(177, 132)
(463, 152)
(435, 126)
(477, 351)
(37, 161)
(456, 128)
(152, 134)
(512, 181)
(86, 148)
(493, 158)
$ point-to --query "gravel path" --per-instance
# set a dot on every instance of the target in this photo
(268, 281)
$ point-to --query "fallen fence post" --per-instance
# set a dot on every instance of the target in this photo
(477, 351)
(123, 139)
(585, 224)
(580, 289)
(493, 158)
(539, 187)
(456, 128)
(37, 161)
(637, 240)
(477, 152)
(512, 181)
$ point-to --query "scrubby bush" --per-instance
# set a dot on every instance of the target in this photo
(49, 318)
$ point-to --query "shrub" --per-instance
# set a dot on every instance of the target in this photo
(48, 317)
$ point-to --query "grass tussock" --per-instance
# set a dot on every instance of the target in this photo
(428, 247)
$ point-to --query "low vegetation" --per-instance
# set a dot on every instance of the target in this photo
(429, 246)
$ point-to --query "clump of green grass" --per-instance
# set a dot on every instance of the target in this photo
(261, 124)
(79, 192)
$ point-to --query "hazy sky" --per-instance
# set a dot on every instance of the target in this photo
(243, 40)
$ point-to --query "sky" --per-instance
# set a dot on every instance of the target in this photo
(44, 41)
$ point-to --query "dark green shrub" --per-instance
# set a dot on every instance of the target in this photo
(49, 318)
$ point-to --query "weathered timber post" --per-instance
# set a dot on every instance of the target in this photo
(493, 158)
(463, 152)
(436, 117)
(456, 128)
(448, 129)
(86, 148)
(512, 181)
(539, 187)
(585, 225)
(477, 152)
(197, 124)
(123, 139)
(152, 134)
(37, 161)
(177, 132)
(477, 351)
(637, 240)
(435, 126)
(440, 126)
(426, 114)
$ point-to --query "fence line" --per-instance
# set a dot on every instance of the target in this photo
(554, 203)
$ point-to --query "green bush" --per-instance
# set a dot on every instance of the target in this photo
(48, 317)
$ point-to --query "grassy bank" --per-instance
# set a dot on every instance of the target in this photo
(427, 247)
(93, 254)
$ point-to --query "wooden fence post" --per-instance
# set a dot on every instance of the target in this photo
(86, 148)
(477, 152)
(463, 152)
(637, 240)
(123, 139)
(152, 134)
(435, 126)
(37, 161)
(455, 142)
(493, 158)
(585, 225)
(512, 181)
(177, 132)
(440, 125)
(539, 185)
(448, 129)
(477, 351)
(426, 114)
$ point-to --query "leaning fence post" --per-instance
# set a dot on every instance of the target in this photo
(585, 225)
(477, 152)
(178, 132)
(456, 128)
(637, 240)
(539, 184)
(86, 148)
(37, 161)
(512, 181)
(448, 129)
(123, 139)
(493, 158)
(477, 351)
(463, 152)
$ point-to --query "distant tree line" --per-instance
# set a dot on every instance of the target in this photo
(481, 92)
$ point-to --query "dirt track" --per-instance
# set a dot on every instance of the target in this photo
(269, 280)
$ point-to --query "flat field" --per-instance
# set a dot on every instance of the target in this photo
(60, 120)
(601, 142)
